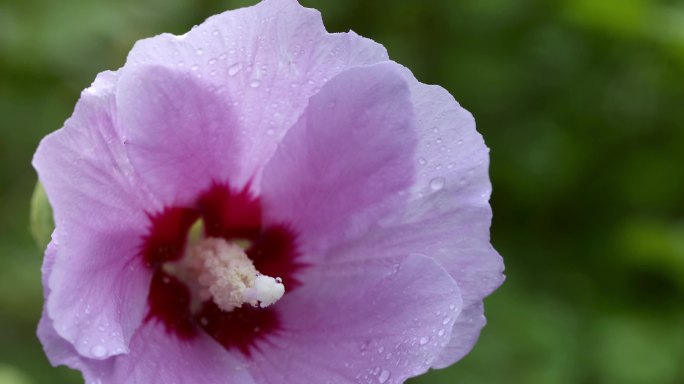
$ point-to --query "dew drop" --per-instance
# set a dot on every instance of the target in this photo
(446, 321)
(194, 67)
(98, 351)
(384, 376)
(212, 61)
(234, 69)
(199, 51)
(423, 340)
(440, 333)
(255, 84)
(437, 183)
(422, 161)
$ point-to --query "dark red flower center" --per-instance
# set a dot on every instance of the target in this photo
(233, 216)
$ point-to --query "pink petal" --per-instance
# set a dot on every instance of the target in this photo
(58, 350)
(449, 206)
(98, 286)
(346, 324)
(179, 135)
(464, 335)
(340, 167)
(446, 215)
(157, 357)
(266, 60)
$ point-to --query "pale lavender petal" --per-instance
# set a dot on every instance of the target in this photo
(378, 323)
(157, 357)
(464, 335)
(447, 214)
(453, 186)
(58, 350)
(98, 285)
(179, 135)
(267, 60)
(340, 167)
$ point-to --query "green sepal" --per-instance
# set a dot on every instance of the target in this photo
(42, 223)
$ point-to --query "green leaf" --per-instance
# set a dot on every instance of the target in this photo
(11, 375)
(42, 223)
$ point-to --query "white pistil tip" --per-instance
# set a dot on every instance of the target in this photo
(266, 291)
(227, 275)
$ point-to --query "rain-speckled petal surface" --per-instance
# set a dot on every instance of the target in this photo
(446, 214)
(99, 206)
(341, 166)
(391, 326)
(180, 137)
(267, 60)
(154, 357)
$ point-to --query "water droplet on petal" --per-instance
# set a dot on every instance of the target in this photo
(437, 183)
(423, 340)
(384, 376)
(98, 351)
(255, 84)
(199, 51)
(234, 69)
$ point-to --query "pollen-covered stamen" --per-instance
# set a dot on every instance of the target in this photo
(227, 275)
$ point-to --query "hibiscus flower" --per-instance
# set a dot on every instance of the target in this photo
(260, 201)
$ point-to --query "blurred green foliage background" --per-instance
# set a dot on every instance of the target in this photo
(581, 102)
